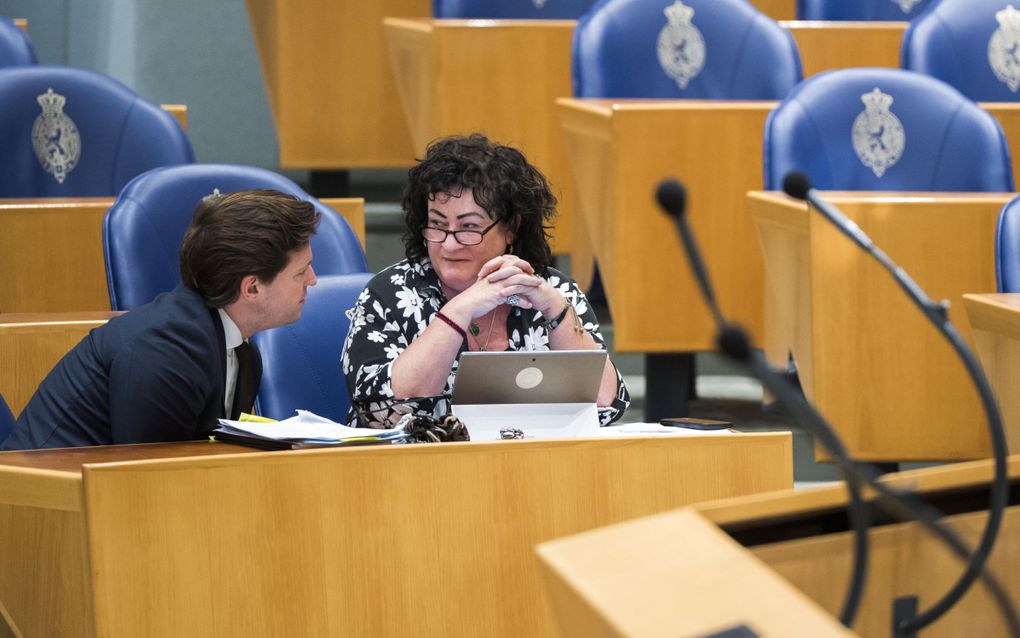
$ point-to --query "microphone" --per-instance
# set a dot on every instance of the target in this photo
(672, 198)
(733, 342)
(798, 185)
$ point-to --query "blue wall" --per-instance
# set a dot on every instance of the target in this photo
(196, 52)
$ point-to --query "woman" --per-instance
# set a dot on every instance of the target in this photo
(477, 277)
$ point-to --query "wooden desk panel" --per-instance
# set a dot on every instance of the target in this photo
(635, 579)
(497, 77)
(31, 344)
(872, 364)
(995, 320)
(620, 151)
(338, 541)
(51, 252)
(828, 45)
(1008, 114)
(329, 84)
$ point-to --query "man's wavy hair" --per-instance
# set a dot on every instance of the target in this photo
(503, 183)
(245, 233)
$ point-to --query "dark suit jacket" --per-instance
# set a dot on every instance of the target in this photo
(154, 374)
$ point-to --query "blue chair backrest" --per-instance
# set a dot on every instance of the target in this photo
(882, 10)
(15, 47)
(970, 44)
(68, 132)
(301, 361)
(511, 9)
(7, 419)
(885, 129)
(682, 49)
(1007, 247)
(142, 231)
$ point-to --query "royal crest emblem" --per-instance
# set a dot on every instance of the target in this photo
(681, 47)
(905, 5)
(55, 137)
(877, 133)
(538, 3)
(1002, 48)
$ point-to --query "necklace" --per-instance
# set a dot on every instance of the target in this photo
(474, 330)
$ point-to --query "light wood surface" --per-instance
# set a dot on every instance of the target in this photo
(31, 344)
(21, 23)
(51, 252)
(995, 320)
(777, 9)
(674, 574)
(330, 88)
(1008, 115)
(497, 77)
(682, 573)
(379, 541)
(179, 111)
(828, 45)
(867, 358)
(619, 152)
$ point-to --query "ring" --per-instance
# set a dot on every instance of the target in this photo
(513, 300)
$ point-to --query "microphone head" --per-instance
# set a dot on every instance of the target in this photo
(796, 184)
(672, 197)
(733, 342)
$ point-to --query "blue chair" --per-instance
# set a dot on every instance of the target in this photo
(15, 47)
(966, 43)
(6, 420)
(511, 10)
(69, 132)
(1007, 247)
(690, 49)
(881, 10)
(143, 229)
(301, 361)
(885, 129)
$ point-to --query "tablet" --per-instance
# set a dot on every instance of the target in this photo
(547, 376)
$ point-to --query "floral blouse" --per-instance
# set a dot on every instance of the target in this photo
(397, 305)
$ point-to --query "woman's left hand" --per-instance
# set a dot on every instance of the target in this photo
(518, 278)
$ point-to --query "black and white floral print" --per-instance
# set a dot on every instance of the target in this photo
(397, 305)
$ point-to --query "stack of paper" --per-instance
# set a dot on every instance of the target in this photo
(303, 430)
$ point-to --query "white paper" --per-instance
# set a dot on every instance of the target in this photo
(305, 426)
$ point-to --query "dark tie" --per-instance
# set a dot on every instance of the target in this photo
(246, 386)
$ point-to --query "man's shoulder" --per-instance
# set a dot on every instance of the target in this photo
(179, 315)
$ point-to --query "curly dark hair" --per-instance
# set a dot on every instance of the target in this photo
(509, 188)
(245, 233)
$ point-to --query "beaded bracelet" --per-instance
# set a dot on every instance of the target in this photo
(452, 324)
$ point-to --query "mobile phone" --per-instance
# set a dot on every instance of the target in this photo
(696, 424)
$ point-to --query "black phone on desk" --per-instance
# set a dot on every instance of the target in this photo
(696, 424)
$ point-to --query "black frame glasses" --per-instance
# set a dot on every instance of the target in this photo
(458, 235)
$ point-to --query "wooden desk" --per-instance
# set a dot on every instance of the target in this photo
(497, 77)
(330, 89)
(434, 540)
(675, 573)
(619, 151)
(31, 344)
(995, 321)
(51, 252)
(828, 45)
(502, 77)
(867, 358)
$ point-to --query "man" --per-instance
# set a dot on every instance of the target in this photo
(166, 371)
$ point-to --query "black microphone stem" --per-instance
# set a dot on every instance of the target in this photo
(936, 313)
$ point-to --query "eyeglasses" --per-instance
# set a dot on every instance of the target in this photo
(463, 237)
